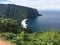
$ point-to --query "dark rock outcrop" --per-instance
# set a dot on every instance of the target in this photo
(17, 12)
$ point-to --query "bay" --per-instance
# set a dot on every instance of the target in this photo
(49, 19)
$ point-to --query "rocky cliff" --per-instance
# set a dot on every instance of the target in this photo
(17, 12)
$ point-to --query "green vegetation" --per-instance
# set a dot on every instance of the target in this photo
(44, 38)
(10, 30)
(11, 26)
(8, 25)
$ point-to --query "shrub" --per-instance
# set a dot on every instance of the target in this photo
(8, 36)
(44, 38)
(8, 25)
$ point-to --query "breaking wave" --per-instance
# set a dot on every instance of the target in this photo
(23, 23)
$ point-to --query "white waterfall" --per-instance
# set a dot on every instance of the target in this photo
(23, 23)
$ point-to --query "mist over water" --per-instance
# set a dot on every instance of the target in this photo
(49, 19)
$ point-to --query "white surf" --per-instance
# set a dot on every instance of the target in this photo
(23, 23)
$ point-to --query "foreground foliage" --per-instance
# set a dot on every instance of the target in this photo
(8, 25)
(9, 28)
(44, 38)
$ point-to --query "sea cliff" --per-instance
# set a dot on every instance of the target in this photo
(17, 12)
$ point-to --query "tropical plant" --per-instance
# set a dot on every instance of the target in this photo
(8, 25)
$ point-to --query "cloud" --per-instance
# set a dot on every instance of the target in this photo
(5, 1)
(38, 4)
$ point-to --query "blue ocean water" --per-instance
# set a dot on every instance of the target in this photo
(49, 19)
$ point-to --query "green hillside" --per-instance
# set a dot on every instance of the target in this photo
(17, 12)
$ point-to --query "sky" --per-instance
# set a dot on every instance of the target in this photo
(37, 4)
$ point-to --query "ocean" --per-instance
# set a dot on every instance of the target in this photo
(50, 19)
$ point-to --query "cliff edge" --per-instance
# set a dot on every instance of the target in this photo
(17, 12)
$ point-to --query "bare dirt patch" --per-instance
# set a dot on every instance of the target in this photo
(5, 42)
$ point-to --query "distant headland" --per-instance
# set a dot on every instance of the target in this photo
(17, 12)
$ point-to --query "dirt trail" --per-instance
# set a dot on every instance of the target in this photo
(4, 42)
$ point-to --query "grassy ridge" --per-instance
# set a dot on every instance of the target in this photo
(9, 29)
(44, 38)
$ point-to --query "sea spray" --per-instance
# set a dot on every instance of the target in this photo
(23, 23)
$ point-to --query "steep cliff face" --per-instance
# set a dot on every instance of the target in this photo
(17, 12)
